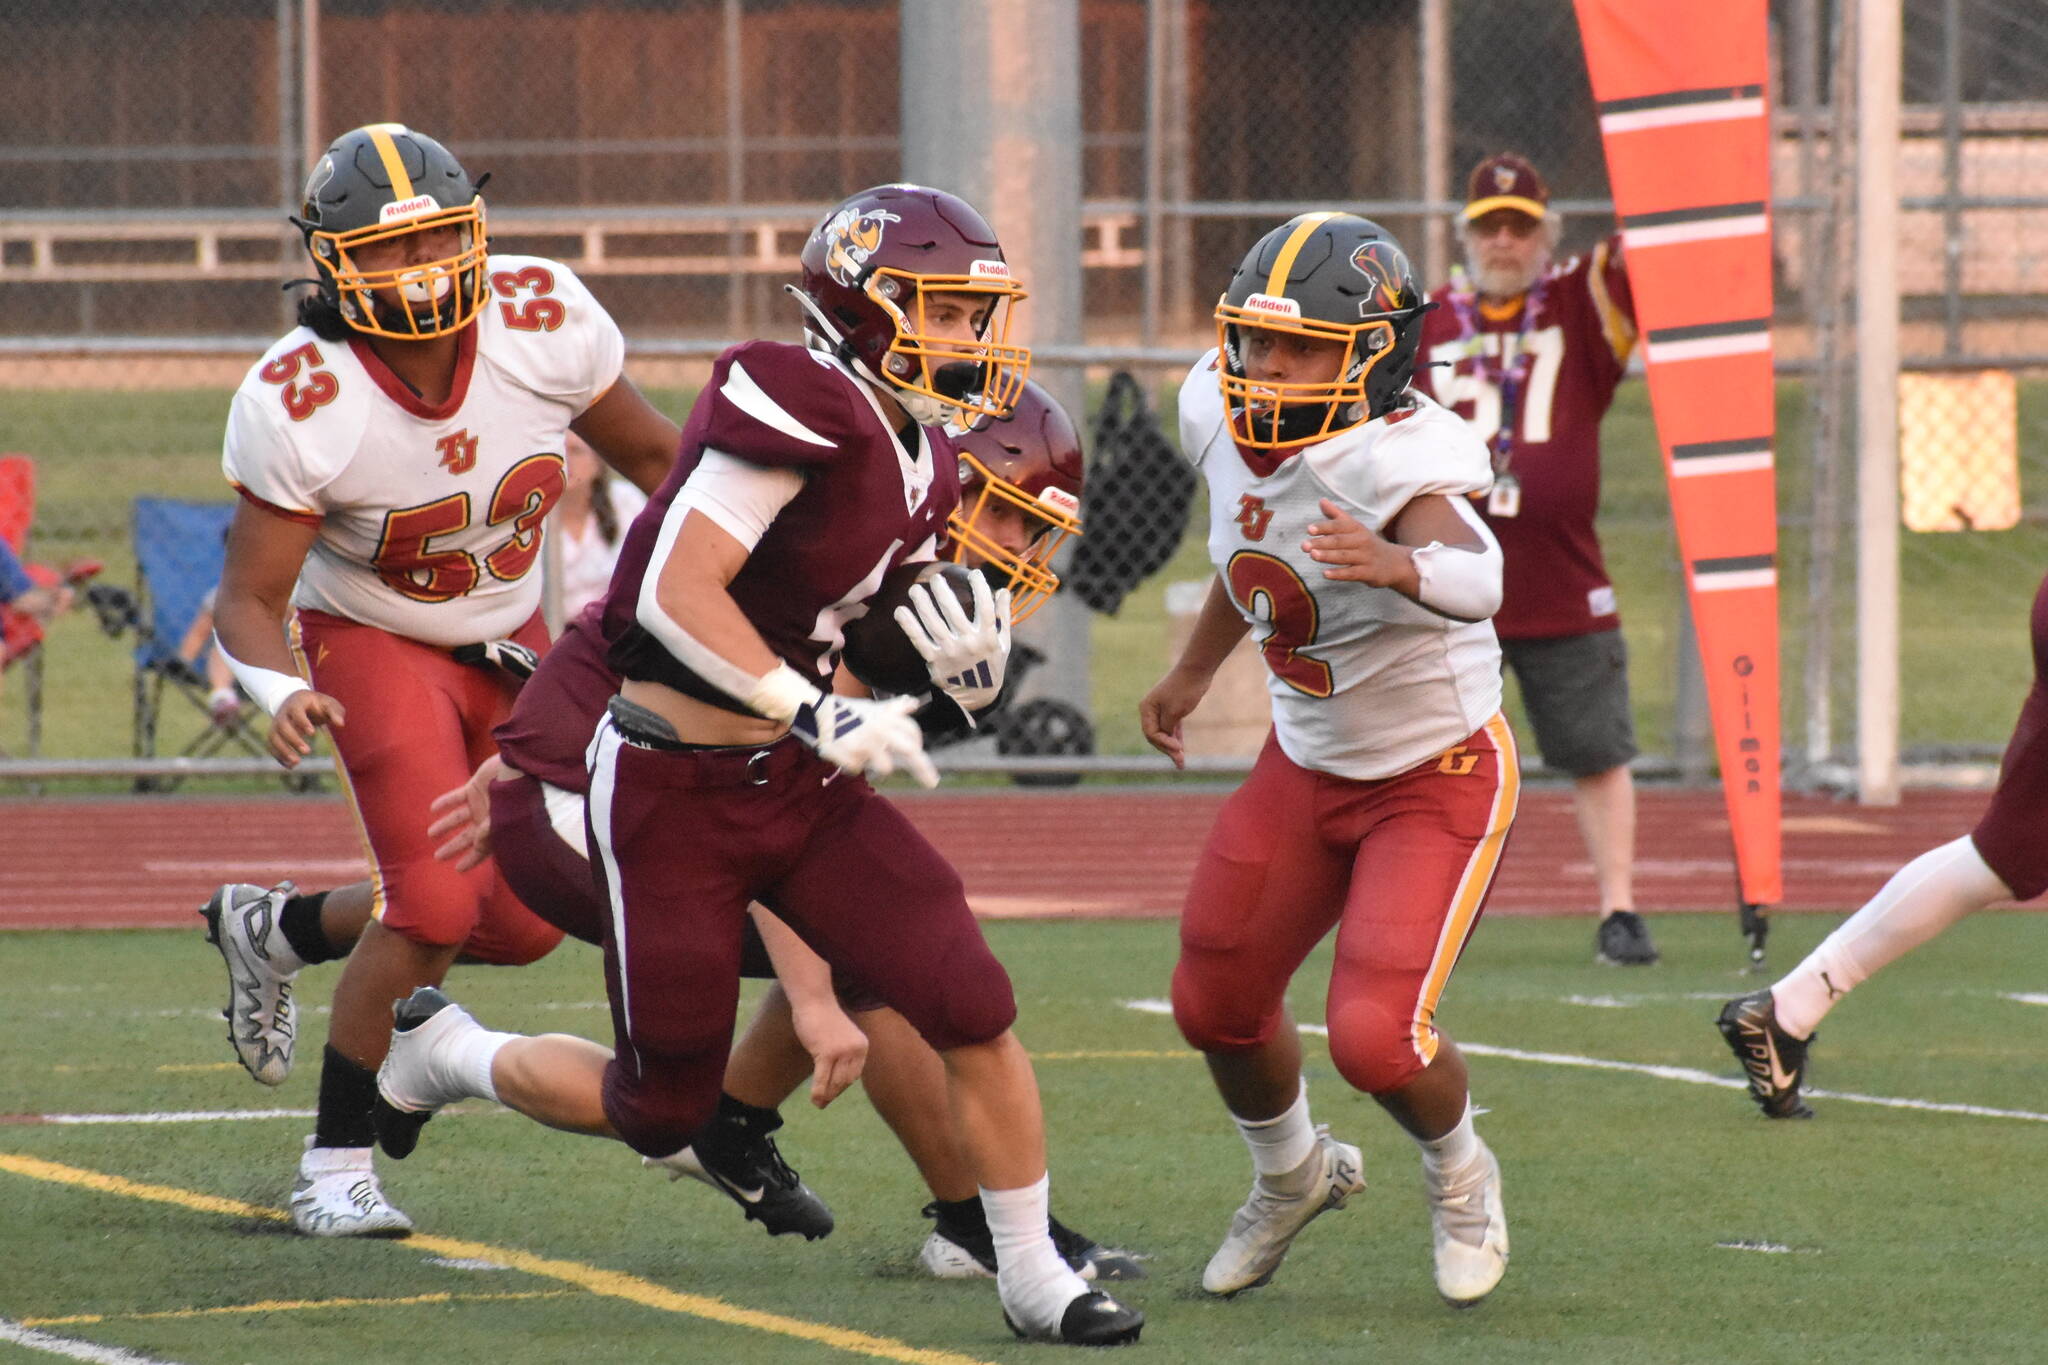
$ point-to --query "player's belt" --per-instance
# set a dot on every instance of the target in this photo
(741, 765)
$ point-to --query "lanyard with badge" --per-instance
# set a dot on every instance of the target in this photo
(1508, 372)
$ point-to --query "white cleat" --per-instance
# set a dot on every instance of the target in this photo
(1269, 1221)
(241, 921)
(1470, 1228)
(337, 1195)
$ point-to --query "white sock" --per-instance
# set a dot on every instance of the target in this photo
(1035, 1284)
(1922, 898)
(469, 1062)
(1455, 1150)
(1279, 1145)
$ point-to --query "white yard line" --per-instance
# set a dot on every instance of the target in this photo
(75, 1350)
(1684, 1074)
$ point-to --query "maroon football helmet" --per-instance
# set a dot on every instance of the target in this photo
(1020, 496)
(868, 271)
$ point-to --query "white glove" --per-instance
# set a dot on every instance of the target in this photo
(862, 735)
(966, 656)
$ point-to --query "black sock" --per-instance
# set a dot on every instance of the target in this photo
(959, 1215)
(299, 922)
(348, 1097)
(737, 1125)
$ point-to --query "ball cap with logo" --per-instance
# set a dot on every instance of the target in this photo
(1505, 181)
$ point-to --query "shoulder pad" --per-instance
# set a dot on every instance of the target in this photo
(772, 403)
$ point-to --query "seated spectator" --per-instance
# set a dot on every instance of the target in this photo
(223, 702)
(592, 517)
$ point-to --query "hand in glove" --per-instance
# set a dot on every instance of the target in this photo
(862, 735)
(966, 655)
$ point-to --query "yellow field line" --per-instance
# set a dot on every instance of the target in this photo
(608, 1283)
(292, 1306)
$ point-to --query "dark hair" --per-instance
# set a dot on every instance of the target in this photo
(320, 314)
(601, 506)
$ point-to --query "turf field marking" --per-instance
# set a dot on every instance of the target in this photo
(289, 1306)
(607, 1283)
(1768, 1248)
(1628, 1001)
(76, 1350)
(184, 1116)
(1687, 1075)
(2026, 997)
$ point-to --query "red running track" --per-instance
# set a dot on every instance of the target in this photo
(151, 861)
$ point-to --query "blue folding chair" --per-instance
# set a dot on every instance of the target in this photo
(180, 548)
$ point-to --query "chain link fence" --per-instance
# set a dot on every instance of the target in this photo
(676, 153)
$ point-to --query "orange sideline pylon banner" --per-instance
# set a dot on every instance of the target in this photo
(1680, 90)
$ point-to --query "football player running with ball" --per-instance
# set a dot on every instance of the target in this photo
(396, 454)
(807, 473)
(1341, 532)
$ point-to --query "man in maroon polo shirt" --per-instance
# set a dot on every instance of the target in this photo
(1529, 352)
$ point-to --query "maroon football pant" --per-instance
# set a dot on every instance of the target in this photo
(418, 724)
(682, 841)
(553, 877)
(2013, 835)
(1399, 867)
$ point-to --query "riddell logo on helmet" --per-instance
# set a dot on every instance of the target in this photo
(409, 208)
(989, 270)
(1060, 500)
(1268, 303)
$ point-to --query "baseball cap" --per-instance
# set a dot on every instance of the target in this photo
(1506, 181)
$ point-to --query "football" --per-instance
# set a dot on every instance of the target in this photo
(877, 651)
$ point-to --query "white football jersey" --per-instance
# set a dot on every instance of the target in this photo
(430, 515)
(1365, 682)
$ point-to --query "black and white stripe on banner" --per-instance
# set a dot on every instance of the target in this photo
(1705, 340)
(1721, 457)
(1734, 571)
(1702, 224)
(1711, 105)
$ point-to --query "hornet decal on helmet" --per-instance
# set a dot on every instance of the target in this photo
(853, 237)
(1378, 261)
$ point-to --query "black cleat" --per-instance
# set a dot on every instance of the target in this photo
(1773, 1061)
(1090, 1259)
(398, 1131)
(1623, 940)
(1094, 1319)
(736, 1155)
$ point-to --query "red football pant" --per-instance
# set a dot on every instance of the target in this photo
(682, 841)
(418, 724)
(1400, 867)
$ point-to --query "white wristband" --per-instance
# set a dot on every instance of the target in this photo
(267, 686)
(1463, 584)
(780, 694)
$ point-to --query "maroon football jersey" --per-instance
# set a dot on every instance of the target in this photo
(867, 504)
(1557, 365)
(558, 707)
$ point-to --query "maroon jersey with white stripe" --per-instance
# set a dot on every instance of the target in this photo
(1559, 364)
(868, 503)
